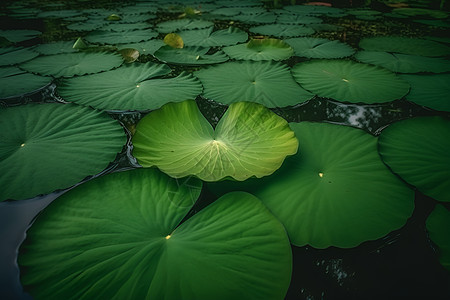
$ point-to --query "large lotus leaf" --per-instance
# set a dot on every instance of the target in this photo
(319, 48)
(404, 63)
(13, 55)
(122, 239)
(418, 150)
(282, 30)
(88, 25)
(148, 47)
(335, 191)
(348, 81)
(268, 83)
(432, 91)
(297, 19)
(314, 10)
(249, 140)
(260, 18)
(121, 37)
(183, 24)
(260, 49)
(189, 56)
(15, 82)
(130, 87)
(438, 227)
(51, 146)
(420, 12)
(56, 48)
(405, 45)
(70, 64)
(126, 27)
(209, 38)
(19, 35)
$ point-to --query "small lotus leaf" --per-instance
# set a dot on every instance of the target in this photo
(282, 30)
(15, 82)
(148, 47)
(129, 54)
(297, 19)
(183, 24)
(260, 49)
(174, 40)
(438, 227)
(209, 38)
(19, 35)
(189, 56)
(319, 48)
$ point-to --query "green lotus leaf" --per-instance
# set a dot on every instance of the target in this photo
(260, 49)
(418, 150)
(189, 56)
(403, 63)
(59, 13)
(173, 40)
(70, 64)
(131, 87)
(438, 227)
(182, 24)
(267, 83)
(120, 37)
(229, 11)
(432, 91)
(420, 12)
(405, 45)
(45, 147)
(319, 48)
(16, 55)
(148, 47)
(129, 55)
(136, 249)
(297, 19)
(209, 38)
(348, 81)
(15, 82)
(259, 18)
(335, 191)
(314, 10)
(89, 25)
(56, 48)
(19, 35)
(282, 30)
(249, 140)
(126, 27)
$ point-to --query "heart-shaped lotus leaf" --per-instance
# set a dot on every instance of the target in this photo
(19, 35)
(418, 150)
(15, 82)
(404, 63)
(174, 40)
(335, 191)
(438, 227)
(121, 37)
(209, 38)
(189, 56)
(319, 48)
(249, 140)
(122, 239)
(260, 49)
(348, 81)
(15, 55)
(45, 147)
(432, 91)
(71, 64)
(131, 87)
(267, 83)
(420, 12)
(287, 18)
(56, 48)
(182, 24)
(282, 30)
(405, 45)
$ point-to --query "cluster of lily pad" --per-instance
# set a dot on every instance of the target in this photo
(278, 183)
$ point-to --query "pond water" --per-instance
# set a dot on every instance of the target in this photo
(401, 265)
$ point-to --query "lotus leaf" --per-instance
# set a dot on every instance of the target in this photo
(130, 87)
(260, 18)
(268, 83)
(59, 13)
(230, 11)
(173, 40)
(409, 11)
(183, 24)
(53, 146)
(189, 56)
(260, 49)
(349, 81)
(405, 45)
(15, 82)
(314, 10)
(121, 37)
(418, 150)
(249, 140)
(403, 63)
(282, 30)
(19, 35)
(319, 48)
(137, 249)
(148, 47)
(209, 38)
(438, 227)
(15, 55)
(70, 64)
(126, 27)
(297, 19)
(56, 48)
(88, 25)
(335, 191)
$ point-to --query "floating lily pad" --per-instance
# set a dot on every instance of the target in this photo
(19, 35)
(130, 87)
(51, 146)
(403, 63)
(420, 12)
(438, 227)
(70, 64)
(13, 55)
(260, 49)
(314, 10)
(89, 25)
(418, 150)
(189, 56)
(432, 91)
(282, 30)
(405, 45)
(349, 81)
(297, 19)
(15, 82)
(120, 37)
(56, 48)
(183, 24)
(209, 38)
(249, 140)
(335, 191)
(148, 47)
(267, 83)
(319, 48)
(260, 18)
(123, 234)
(126, 26)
